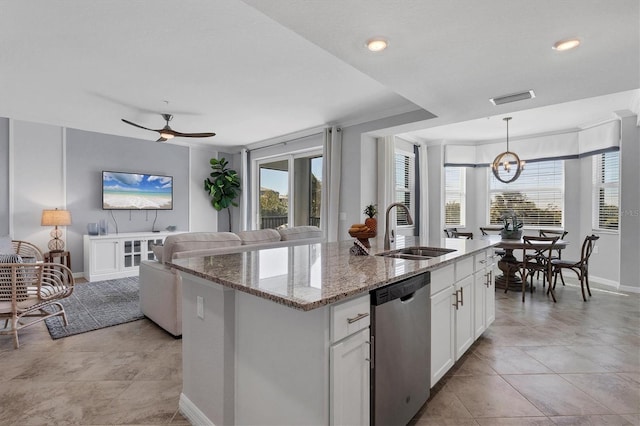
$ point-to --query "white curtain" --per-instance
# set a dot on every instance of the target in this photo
(424, 192)
(244, 195)
(331, 164)
(386, 180)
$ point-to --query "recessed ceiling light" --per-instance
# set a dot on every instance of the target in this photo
(566, 44)
(377, 44)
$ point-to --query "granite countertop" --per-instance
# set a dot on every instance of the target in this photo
(308, 276)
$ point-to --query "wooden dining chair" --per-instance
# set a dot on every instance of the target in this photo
(580, 267)
(493, 230)
(448, 232)
(552, 233)
(537, 253)
(467, 235)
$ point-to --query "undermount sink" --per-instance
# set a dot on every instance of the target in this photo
(416, 253)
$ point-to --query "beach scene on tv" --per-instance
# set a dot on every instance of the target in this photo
(136, 191)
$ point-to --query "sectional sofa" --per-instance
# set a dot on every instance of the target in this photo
(161, 285)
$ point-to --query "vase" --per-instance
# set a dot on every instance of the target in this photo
(511, 234)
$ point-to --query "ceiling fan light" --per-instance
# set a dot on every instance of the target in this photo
(166, 135)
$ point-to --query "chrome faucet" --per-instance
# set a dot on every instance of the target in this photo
(387, 242)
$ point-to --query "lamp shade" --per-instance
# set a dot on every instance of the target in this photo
(56, 218)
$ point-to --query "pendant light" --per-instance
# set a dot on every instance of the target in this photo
(504, 163)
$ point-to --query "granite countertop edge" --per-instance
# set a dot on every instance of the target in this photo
(420, 266)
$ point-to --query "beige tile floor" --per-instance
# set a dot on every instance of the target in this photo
(540, 363)
(570, 363)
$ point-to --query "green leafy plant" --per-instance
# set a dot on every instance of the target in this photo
(223, 186)
(371, 210)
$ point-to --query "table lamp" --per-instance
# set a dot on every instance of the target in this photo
(56, 218)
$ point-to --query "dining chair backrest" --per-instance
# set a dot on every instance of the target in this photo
(467, 235)
(587, 249)
(551, 232)
(539, 244)
(449, 232)
(491, 230)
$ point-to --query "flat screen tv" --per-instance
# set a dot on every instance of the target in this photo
(136, 191)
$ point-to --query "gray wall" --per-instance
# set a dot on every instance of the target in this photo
(4, 176)
(88, 154)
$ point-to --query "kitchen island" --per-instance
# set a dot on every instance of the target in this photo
(280, 336)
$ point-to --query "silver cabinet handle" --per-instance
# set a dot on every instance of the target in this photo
(462, 297)
(357, 317)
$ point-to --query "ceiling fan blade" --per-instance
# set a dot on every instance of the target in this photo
(137, 125)
(193, 135)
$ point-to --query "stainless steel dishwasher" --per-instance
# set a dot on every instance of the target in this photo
(401, 341)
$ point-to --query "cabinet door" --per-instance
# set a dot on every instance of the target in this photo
(148, 254)
(104, 256)
(490, 298)
(464, 316)
(132, 252)
(350, 375)
(479, 296)
(442, 333)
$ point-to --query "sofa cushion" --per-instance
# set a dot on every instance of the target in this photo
(190, 241)
(259, 236)
(299, 233)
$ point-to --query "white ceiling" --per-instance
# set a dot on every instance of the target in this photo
(255, 70)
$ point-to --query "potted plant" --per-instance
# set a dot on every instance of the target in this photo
(512, 226)
(223, 186)
(372, 223)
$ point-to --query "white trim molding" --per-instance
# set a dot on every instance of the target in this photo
(192, 413)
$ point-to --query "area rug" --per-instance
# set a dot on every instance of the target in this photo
(97, 305)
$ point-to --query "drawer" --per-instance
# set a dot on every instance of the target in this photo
(481, 261)
(464, 268)
(349, 317)
(442, 278)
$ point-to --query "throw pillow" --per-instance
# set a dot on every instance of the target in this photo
(158, 250)
(6, 276)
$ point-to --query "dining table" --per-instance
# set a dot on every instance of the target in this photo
(508, 264)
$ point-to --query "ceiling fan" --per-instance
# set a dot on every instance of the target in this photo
(167, 132)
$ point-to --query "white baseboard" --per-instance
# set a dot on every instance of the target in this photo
(608, 283)
(192, 413)
(629, 289)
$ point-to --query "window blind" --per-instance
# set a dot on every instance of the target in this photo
(455, 195)
(606, 182)
(536, 197)
(405, 185)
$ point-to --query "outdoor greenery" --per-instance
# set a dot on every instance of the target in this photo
(452, 213)
(525, 209)
(223, 186)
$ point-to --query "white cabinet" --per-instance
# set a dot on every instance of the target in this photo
(349, 363)
(462, 307)
(109, 257)
(464, 316)
(350, 376)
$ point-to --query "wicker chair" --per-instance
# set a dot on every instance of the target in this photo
(32, 290)
(26, 249)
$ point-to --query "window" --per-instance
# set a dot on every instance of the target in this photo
(289, 191)
(405, 172)
(537, 196)
(455, 196)
(606, 182)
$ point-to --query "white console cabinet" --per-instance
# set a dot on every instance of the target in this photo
(108, 257)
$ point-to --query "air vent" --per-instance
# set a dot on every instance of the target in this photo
(513, 97)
